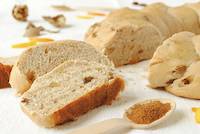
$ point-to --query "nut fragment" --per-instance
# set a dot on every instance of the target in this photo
(32, 30)
(57, 21)
(20, 12)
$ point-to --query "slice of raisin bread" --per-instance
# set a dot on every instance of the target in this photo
(70, 90)
(6, 65)
(39, 60)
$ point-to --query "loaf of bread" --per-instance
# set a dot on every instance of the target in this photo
(6, 65)
(175, 65)
(69, 91)
(41, 59)
(132, 42)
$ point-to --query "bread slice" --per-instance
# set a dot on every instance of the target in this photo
(39, 60)
(70, 90)
(188, 85)
(6, 65)
(171, 59)
(125, 41)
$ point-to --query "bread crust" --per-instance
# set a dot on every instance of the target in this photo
(19, 80)
(103, 95)
(186, 93)
(5, 75)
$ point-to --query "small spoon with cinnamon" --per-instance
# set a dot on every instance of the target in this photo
(141, 115)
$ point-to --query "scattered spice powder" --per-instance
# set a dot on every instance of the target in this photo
(148, 112)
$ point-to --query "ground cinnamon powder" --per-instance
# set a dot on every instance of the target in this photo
(149, 112)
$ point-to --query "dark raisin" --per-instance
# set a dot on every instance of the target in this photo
(87, 79)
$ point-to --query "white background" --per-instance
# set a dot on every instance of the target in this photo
(14, 121)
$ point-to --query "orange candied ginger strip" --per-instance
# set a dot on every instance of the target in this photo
(24, 45)
(197, 114)
(96, 14)
(84, 17)
(35, 39)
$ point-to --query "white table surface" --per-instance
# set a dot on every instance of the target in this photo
(14, 121)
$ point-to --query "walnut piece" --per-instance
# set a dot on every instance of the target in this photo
(57, 21)
(20, 12)
(32, 30)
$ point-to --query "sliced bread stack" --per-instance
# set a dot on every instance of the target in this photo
(62, 80)
(128, 36)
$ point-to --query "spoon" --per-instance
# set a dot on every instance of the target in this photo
(125, 122)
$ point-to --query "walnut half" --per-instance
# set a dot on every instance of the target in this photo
(20, 12)
(57, 21)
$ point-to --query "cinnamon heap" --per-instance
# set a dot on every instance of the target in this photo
(149, 112)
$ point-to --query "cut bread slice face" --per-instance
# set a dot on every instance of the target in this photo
(188, 85)
(188, 16)
(125, 41)
(171, 59)
(6, 65)
(41, 59)
(70, 90)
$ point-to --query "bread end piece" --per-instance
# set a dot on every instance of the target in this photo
(6, 65)
(4, 75)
